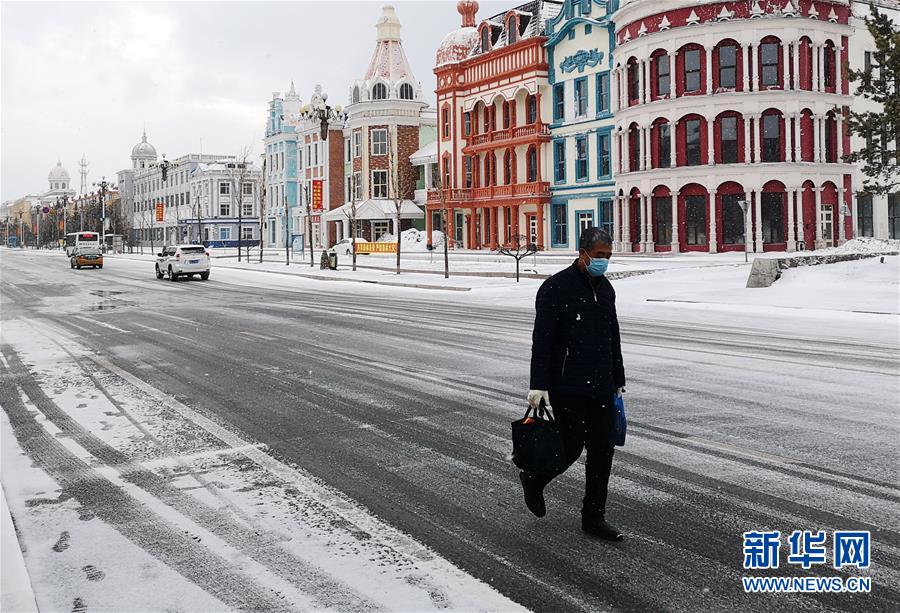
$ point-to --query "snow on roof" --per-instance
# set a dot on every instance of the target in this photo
(425, 154)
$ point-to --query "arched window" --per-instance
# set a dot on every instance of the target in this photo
(769, 62)
(485, 39)
(772, 137)
(509, 167)
(406, 92)
(512, 30)
(531, 109)
(355, 94)
(379, 92)
(531, 165)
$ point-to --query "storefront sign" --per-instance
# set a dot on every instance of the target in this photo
(376, 247)
(160, 211)
(317, 194)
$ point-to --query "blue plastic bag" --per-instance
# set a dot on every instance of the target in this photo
(621, 423)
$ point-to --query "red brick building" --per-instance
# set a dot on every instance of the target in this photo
(492, 134)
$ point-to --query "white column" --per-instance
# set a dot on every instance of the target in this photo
(626, 151)
(837, 68)
(814, 51)
(709, 80)
(786, 65)
(617, 220)
(676, 244)
(672, 55)
(642, 82)
(839, 117)
(647, 150)
(614, 145)
(757, 72)
(842, 237)
(757, 137)
(815, 135)
(818, 192)
(745, 66)
(789, 195)
(613, 91)
(820, 133)
(796, 132)
(710, 148)
(797, 65)
(799, 234)
(626, 223)
(713, 234)
(642, 227)
(748, 121)
(673, 127)
(646, 91)
(758, 237)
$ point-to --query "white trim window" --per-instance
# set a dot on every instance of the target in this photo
(379, 142)
(224, 188)
(224, 209)
(224, 234)
(357, 144)
(347, 157)
(248, 189)
(379, 184)
(247, 232)
(247, 210)
(357, 177)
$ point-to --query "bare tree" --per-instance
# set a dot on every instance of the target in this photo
(519, 247)
(401, 184)
(351, 216)
(239, 171)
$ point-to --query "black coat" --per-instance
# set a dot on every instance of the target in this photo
(576, 347)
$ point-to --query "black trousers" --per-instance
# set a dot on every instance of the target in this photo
(586, 423)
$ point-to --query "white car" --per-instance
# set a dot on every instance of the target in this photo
(345, 246)
(182, 260)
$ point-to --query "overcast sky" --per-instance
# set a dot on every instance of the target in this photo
(86, 77)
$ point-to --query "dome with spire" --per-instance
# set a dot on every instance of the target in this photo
(58, 173)
(389, 76)
(143, 148)
(458, 45)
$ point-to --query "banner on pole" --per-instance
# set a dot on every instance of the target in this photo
(160, 211)
(317, 194)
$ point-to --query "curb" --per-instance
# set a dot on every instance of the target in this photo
(16, 593)
(318, 278)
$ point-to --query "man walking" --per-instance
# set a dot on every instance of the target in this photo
(576, 360)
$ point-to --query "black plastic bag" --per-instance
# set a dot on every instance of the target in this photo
(537, 443)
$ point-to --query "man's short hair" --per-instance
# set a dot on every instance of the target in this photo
(592, 236)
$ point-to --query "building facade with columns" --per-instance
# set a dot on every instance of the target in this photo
(723, 102)
(388, 120)
(281, 176)
(877, 215)
(579, 49)
(493, 132)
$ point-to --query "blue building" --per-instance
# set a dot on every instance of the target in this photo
(281, 172)
(580, 44)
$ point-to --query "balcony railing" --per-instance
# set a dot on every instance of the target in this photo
(509, 134)
(481, 194)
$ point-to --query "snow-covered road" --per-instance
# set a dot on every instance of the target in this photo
(293, 445)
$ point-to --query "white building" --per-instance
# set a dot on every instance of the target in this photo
(876, 215)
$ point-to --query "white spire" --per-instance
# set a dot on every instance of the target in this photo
(388, 26)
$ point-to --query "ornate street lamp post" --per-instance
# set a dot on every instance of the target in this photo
(62, 204)
(103, 185)
(318, 111)
(21, 230)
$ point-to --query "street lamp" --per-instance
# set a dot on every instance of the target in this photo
(745, 207)
(103, 185)
(318, 111)
(21, 230)
(62, 203)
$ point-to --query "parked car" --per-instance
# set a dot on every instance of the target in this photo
(345, 246)
(182, 261)
(86, 256)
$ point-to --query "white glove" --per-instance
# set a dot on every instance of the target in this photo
(620, 391)
(535, 397)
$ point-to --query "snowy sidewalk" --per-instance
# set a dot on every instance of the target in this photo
(15, 586)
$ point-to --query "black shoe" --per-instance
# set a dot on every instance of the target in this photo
(534, 495)
(602, 530)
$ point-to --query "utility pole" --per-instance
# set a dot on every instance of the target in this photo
(287, 233)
